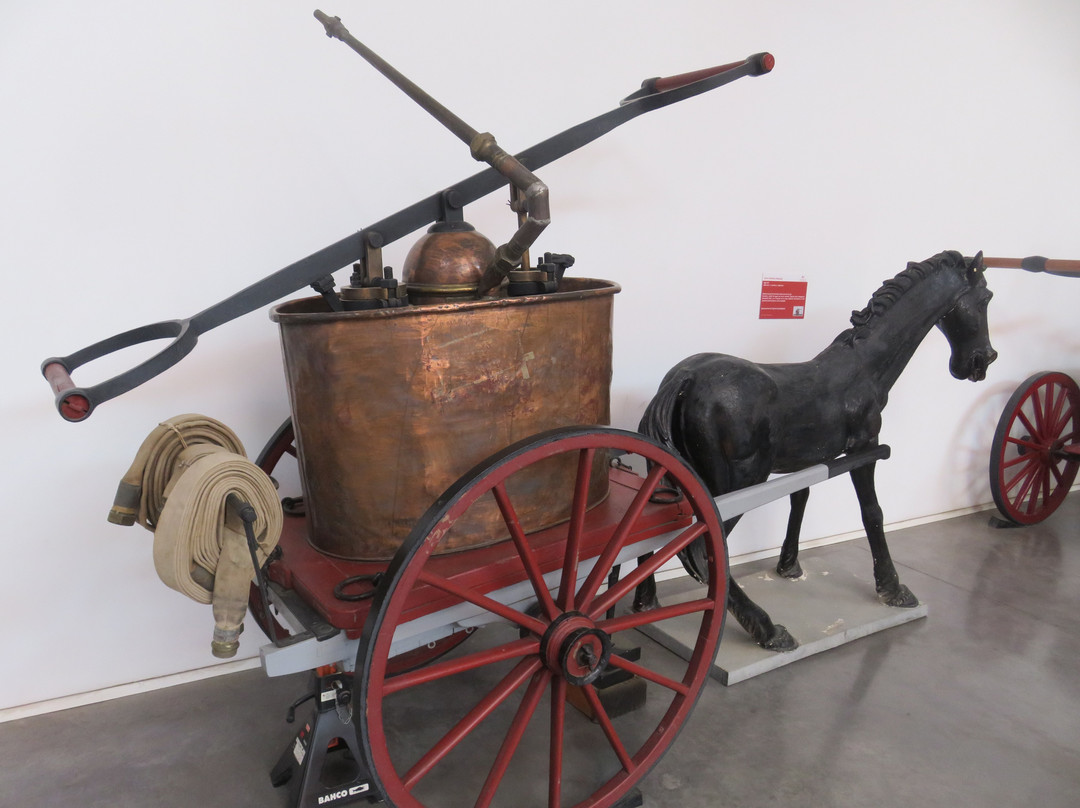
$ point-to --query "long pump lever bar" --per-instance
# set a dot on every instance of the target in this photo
(76, 403)
(1066, 267)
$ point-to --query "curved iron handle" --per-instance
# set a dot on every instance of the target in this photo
(75, 403)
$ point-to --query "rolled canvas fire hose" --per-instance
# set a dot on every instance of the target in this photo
(179, 488)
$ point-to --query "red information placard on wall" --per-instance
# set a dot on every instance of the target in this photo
(782, 299)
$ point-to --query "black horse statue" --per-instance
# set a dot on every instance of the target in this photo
(735, 422)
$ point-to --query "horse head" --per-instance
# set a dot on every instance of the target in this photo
(965, 325)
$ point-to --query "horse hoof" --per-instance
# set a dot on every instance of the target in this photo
(780, 641)
(902, 598)
(792, 570)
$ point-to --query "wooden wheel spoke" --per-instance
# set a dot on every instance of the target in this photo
(1028, 486)
(635, 619)
(485, 707)
(451, 667)
(1038, 409)
(604, 720)
(528, 559)
(645, 569)
(1031, 494)
(1024, 444)
(1044, 481)
(618, 538)
(1043, 401)
(484, 602)
(1023, 477)
(1059, 475)
(1022, 460)
(1033, 430)
(1055, 423)
(651, 675)
(568, 580)
(513, 737)
(555, 751)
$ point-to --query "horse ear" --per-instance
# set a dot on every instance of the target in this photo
(976, 264)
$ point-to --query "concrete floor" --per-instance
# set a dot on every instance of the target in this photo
(976, 705)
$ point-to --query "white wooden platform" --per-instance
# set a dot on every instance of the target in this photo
(832, 604)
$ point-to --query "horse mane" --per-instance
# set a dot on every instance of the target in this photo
(893, 289)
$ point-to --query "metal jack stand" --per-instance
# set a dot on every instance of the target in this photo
(322, 764)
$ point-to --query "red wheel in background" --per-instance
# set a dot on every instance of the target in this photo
(503, 732)
(1034, 458)
(281, 443)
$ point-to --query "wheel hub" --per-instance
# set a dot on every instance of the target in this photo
(575, 648)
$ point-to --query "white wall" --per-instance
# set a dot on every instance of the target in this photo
(156, 158)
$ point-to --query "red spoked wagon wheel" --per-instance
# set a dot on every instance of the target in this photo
(503, 733)
(1034, 458)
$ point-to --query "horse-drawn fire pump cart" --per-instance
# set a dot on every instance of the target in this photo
(456, 474)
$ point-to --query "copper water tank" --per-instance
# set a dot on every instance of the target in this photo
(391, 406)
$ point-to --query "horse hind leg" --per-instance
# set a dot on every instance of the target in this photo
(788, 564)
(694, 557)
(694, 561)
(886, 578)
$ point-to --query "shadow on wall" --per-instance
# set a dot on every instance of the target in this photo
(970, 445)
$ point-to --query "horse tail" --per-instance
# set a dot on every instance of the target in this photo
(660, 421)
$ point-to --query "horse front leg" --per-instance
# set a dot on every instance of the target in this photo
(886, 579)
(756, 621)
(788, 564)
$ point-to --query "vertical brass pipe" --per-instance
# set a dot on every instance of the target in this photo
(483, 147)
(518, 205)
(336, 30)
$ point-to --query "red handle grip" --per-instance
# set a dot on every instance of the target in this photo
(764, 62)
(760, 62)
(1058, 265)
(75, 406)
